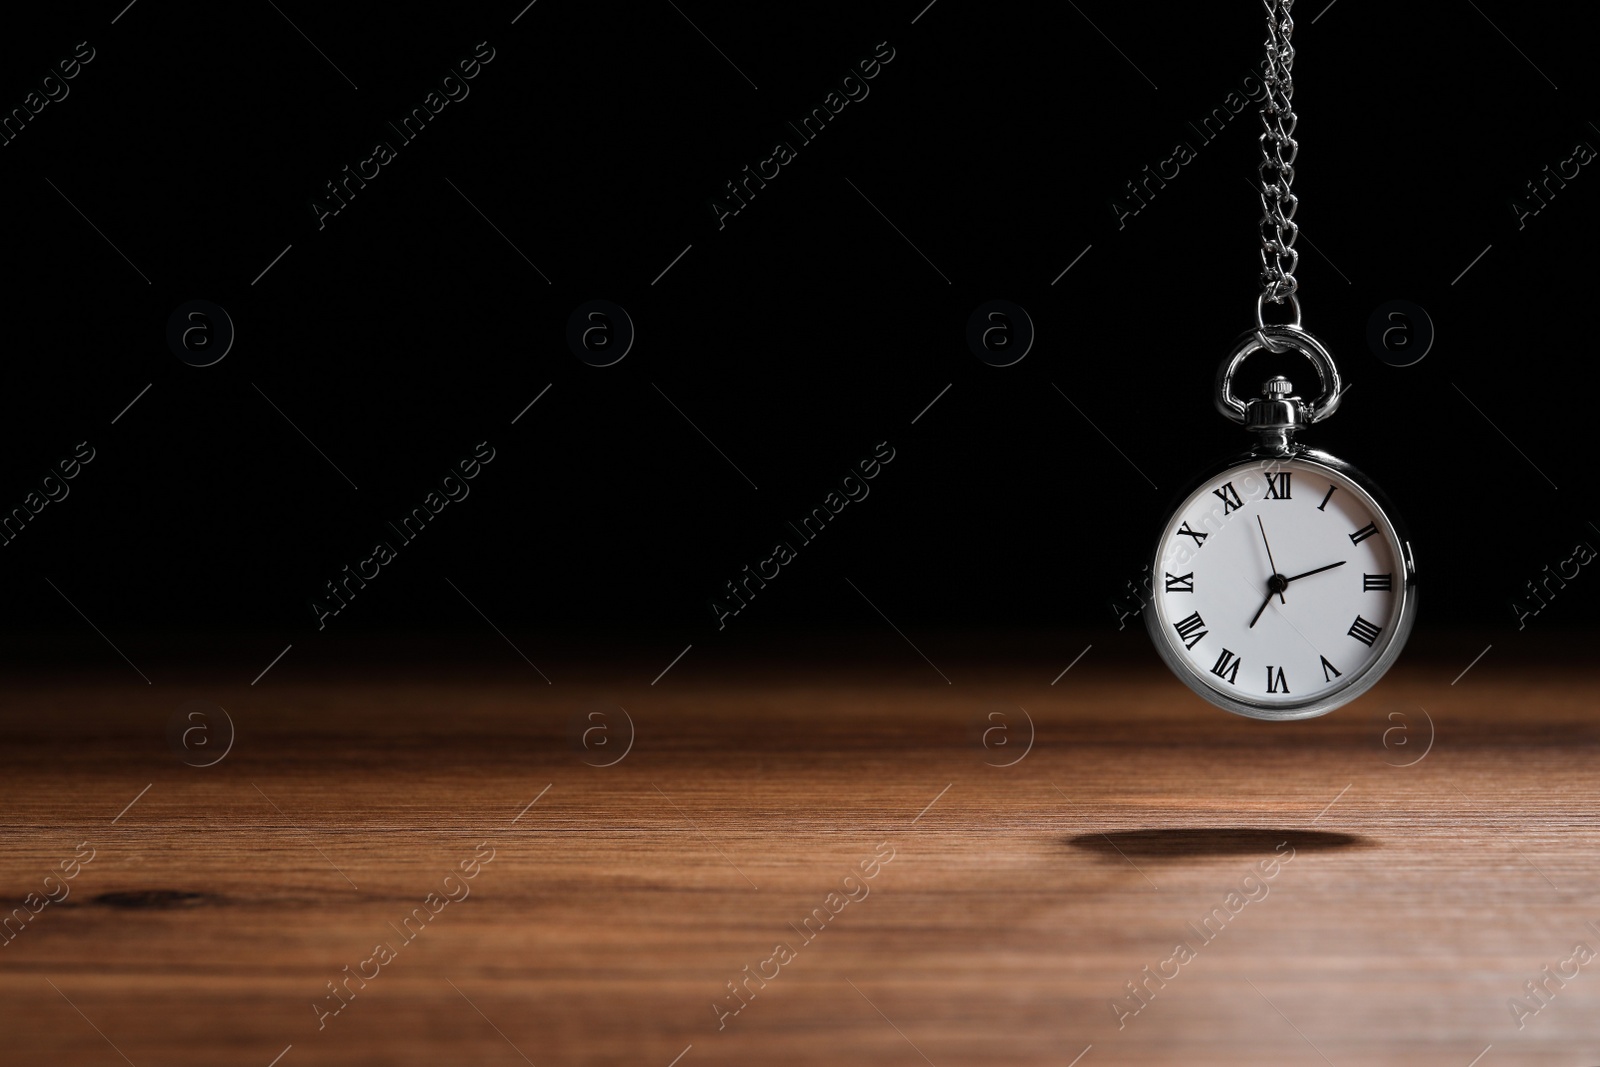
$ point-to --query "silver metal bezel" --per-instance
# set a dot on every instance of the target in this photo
(1405, 613)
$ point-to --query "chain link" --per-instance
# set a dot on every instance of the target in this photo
(1278, 150)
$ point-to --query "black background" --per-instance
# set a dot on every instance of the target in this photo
(796, 337)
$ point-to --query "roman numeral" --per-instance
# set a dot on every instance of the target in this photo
(1193, 625)
(1199, 537)
(1278, 684)
(1362, 534)
(1278, 486)
(1381, 583)
(1326, 667)
(1324, 505)
(1227, 667)
(1229, 497)
(1364, 631)
(1182, 583)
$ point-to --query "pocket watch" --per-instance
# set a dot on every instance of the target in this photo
(1283, 584)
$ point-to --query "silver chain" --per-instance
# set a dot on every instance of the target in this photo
(1278, 150)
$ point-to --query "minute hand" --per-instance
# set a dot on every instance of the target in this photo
(1319, 570)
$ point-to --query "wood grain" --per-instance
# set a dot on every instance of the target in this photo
(1019, 901)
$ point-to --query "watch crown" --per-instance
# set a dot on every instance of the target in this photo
(1275, 415)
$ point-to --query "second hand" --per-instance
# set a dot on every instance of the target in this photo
(1271, 561)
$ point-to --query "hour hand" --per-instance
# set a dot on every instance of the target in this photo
(1259, 610)
(1275, 587)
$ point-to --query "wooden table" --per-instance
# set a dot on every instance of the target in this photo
(612, 906)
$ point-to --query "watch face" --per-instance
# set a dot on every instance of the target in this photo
(1281, 588)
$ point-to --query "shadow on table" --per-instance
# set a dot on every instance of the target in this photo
(1197, 842)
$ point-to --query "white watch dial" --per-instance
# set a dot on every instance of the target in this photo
(1278, 584)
